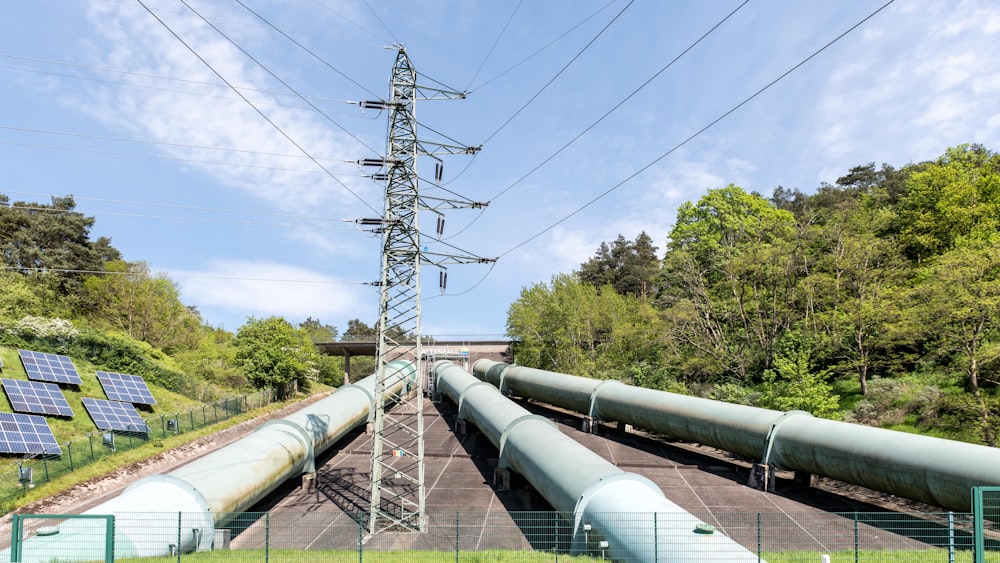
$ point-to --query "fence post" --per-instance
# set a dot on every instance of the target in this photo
(759, 546)
(951, 537)
(361, 536)
(267, 537)
(556, 528)
(45, 466)
(456, 536)
(179, 513)
(91, 439)
(857, 555)
(656, 539)
(69, 449)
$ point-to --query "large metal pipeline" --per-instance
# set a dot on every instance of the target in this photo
(179, 511)
(931, 470)
(626, 510)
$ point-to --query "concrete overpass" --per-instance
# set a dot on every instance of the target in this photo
(462, 352)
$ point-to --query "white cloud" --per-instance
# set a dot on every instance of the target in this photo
(266, 288)
(215, 117)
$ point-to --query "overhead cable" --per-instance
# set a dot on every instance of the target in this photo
(495, 43)
(256, 109)
(695, 134)
(558, 74)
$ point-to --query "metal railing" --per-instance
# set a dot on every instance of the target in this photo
(498, 535)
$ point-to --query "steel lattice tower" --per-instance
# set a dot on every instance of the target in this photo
(397, 494)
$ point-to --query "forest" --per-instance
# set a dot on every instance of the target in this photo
(875, 300)
(61, 292)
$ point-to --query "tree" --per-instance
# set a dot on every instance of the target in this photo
(794, 384)
(146, 307)
(358, 331)
(572, 326)
(956, 196)
(730, 275)
(632, 268)
(317, 331)
(273, 354)
(38, 237)
(960, 290)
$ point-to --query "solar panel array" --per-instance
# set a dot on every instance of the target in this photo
(26, 434)
(125, 388)
(49, 367)
(36, 397)
(112, 415)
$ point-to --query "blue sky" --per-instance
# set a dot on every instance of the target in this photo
(99, 100)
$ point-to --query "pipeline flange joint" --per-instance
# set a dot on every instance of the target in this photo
(590, 422)
(307, 439)
(502, 456)
(762, 474)
(461, 397)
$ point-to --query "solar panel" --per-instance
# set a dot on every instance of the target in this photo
(112, 415)
(36, 397)
(26, 434)
(49, 367)
(125, 388)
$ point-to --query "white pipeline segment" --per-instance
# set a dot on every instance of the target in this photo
(625, 510)
(161, 514)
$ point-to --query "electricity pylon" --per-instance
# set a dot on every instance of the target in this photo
(397, 493)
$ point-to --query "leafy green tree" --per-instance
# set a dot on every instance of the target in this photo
(956, 196)
(51, 237)
(35, 295)
(319, 332)
(730, 276)
(574, 327)
(358, 331)
(960, 290)
(794, 383)
(273, 353)
(147, 307)
(631, 267)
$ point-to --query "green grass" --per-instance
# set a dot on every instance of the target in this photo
(298, 556)
(883, 556)
(80, 430)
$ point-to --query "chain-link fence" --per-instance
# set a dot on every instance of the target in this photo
(19, 476)
(499, 535)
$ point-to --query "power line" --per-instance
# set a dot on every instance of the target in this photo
(697, 133)
(255, 108)
(350, 21)
(495, 43)
(174, 206)
(563, 69)
(304, 48)
(382, 23)
(622, 102)
(177, 159)
(178, 218)
(154, 76)
(159, 143)
(606, 114)
(278, 78)
(181, 275)
(544, 47)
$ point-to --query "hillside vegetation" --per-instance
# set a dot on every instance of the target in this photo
(875, 299)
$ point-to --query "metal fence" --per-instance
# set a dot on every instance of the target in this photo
(493, 536)
(19, 476)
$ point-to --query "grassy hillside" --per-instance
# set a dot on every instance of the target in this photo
(65, 429)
